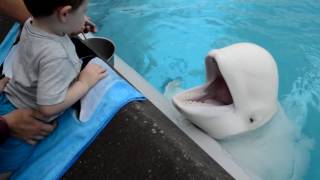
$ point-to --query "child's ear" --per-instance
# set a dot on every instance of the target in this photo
(63, 12)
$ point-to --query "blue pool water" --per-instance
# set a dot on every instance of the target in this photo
(168, 40)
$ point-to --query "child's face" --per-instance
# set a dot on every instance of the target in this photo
(76, 19)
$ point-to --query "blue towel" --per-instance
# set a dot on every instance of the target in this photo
(56, 154)
(8, 41)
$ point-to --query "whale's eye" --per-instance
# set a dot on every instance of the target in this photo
(251, 120)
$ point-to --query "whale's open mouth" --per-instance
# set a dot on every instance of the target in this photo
(213, 93)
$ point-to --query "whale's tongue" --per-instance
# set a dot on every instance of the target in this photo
(217, 91)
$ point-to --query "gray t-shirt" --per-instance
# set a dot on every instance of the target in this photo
(44, 66)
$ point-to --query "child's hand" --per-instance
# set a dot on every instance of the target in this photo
(91, 74)
(88, 26)
(3, 83)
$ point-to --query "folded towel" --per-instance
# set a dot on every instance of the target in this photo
(93, 98)
(54, 155)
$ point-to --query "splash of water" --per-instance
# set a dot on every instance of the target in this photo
(305, 91)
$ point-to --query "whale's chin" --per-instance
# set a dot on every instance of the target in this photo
(210, 107)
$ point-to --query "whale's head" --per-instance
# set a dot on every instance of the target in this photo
(240, 93)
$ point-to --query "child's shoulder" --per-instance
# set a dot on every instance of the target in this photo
(48, 47)
(43, 44)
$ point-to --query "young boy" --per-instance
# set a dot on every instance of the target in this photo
(45, 70)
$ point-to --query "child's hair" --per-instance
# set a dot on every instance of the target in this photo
(42, 8)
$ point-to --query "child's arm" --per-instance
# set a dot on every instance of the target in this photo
(87, 78)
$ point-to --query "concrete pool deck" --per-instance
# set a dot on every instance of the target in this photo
(141, 142)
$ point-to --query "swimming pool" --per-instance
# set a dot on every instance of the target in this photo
(168, 40)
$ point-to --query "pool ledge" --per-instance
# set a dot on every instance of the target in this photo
(141, 142)
(211, 147)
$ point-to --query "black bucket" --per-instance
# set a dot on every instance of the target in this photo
(102, 47)
(95, 47)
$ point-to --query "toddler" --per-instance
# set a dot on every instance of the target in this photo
(45, 70)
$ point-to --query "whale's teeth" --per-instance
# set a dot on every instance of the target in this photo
(190, 98)
(192, 102)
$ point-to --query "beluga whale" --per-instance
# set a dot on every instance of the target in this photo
(238, 106)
